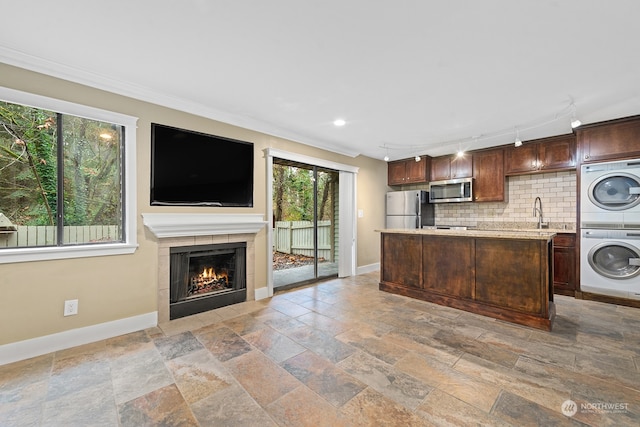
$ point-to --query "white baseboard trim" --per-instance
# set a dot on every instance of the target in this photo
(368, 268)
(262, 293)
(26, 349)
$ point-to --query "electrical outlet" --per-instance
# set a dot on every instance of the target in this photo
(70, 307)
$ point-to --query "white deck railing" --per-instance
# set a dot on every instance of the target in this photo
(296, 237)
(30, 236)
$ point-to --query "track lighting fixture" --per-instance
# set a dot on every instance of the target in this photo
(567, 112)
(574, 118)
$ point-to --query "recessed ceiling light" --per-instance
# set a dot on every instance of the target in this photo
(339, 122)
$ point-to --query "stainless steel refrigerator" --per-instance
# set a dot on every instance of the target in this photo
(409, 209)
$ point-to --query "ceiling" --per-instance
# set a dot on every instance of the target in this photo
(408, 77)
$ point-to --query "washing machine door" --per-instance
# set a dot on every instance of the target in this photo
(615, 260)
(616, 191)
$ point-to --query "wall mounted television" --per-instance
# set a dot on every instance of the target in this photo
(190, 168)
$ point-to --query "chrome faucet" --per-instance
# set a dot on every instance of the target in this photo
(537, 211)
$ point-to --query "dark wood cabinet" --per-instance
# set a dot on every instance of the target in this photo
(502, 266)
(558, 153)
(462, 166)
(613, 140)
(564, 264)
(488, 173)
(522, 159)
(440, 168)
(440, 267)
(508, 278)
(408, 171)
(451, 167)
(418, 171)
(396, 172)
(543, 155)
(408, 248)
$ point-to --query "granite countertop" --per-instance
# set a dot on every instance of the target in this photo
(554, 227)
(534, 230)
(545, 234)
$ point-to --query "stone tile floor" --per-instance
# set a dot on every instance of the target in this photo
(340, 353)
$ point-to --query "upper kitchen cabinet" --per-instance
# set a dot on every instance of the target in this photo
(488, 173)
(408, 171)
(451, 167)
(613, 140)
(553, 154)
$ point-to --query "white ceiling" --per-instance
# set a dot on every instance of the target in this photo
(409, 76)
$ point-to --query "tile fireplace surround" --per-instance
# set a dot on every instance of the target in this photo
(173, 230)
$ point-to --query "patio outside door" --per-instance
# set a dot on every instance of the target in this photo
(305, 223)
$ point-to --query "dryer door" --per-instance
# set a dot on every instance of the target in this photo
(615, 260)
(617, 191)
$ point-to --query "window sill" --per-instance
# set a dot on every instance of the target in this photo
(64, 252)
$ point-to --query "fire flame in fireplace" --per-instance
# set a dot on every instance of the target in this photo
(209, 280)
(210, 273)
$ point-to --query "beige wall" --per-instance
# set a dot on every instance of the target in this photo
(116, 287)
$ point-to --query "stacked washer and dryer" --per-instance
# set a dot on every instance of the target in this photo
(610, 228)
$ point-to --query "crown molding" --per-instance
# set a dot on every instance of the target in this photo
(120, 87)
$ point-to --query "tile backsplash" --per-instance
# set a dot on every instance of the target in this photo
(557, 190)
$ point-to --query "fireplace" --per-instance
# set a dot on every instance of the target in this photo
(205, 277)
(179, 230)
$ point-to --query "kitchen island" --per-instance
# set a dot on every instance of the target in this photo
(507, 275)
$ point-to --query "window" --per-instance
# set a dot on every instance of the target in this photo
(66, 179)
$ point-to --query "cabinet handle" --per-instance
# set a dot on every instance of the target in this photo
(586, 156)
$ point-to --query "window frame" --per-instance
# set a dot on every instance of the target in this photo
(129, 225)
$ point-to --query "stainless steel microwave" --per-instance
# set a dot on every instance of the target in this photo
(451, 191)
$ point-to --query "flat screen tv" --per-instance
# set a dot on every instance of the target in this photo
(195, 169)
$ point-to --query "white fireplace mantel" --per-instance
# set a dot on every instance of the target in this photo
(164, 225)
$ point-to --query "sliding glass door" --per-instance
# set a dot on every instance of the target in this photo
(305, 223)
